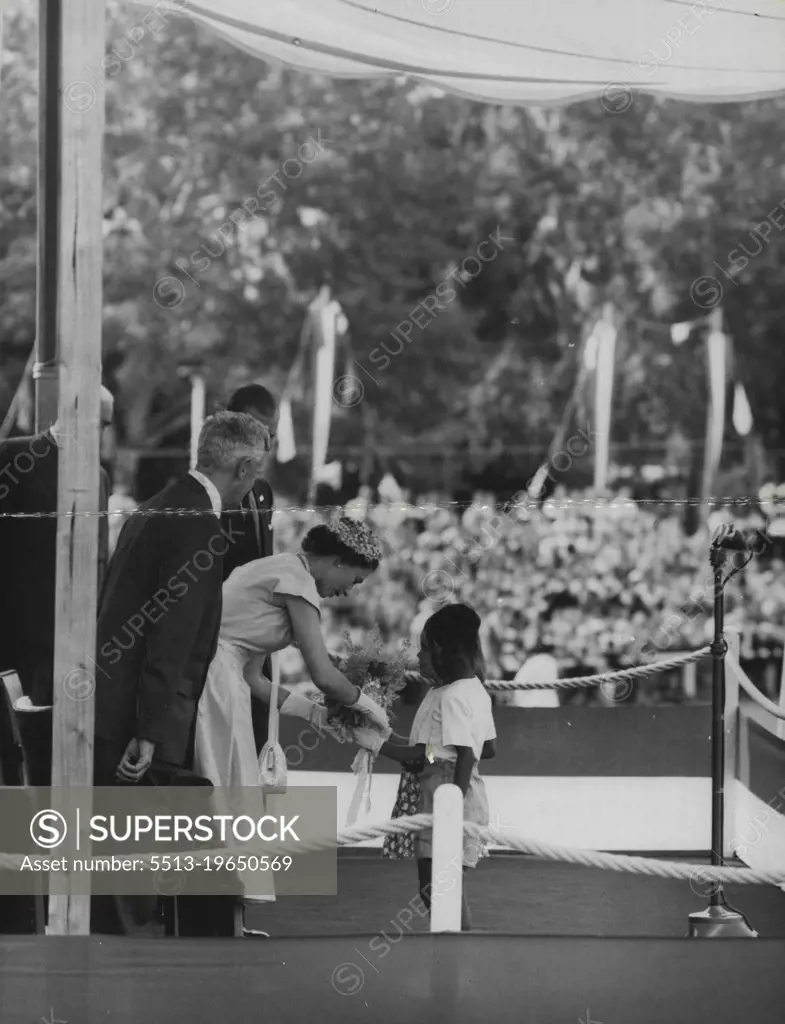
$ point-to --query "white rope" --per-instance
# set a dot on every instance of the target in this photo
(488, 835)
(346, 837)
(623, 862)
(752, 690)
(638, 672)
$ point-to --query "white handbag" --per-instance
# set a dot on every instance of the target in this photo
(272, 760)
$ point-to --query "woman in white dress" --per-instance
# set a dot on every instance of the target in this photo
(269, 604)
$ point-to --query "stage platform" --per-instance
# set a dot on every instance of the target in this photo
(516, 895)
(454, 979)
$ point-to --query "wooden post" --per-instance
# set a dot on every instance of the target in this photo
(79, 306)
(732, 727)
(49, 128)
(447, 863)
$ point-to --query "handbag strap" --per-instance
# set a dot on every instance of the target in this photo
(272, 721)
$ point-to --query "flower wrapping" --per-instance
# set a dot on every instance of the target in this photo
(381, 680)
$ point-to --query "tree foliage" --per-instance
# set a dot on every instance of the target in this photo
(630, 207)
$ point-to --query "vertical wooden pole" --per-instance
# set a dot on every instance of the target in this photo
(49, 126)
(79, 257)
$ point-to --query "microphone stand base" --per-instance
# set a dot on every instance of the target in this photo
(720, 922)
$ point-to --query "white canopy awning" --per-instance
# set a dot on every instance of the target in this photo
(520, 51)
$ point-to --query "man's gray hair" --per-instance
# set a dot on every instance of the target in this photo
(229, 436)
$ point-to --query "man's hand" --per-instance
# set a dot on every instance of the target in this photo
(136, 760)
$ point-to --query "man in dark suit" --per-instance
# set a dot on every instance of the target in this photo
(251, 523)
(28, 561)
(159, 618)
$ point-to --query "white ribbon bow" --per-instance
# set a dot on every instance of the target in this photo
(362, 767)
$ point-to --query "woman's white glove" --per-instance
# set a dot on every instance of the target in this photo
(301, 707)
(368, 706)
(370, 738)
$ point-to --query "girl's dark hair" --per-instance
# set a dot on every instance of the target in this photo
(453, 634)
(321, 541)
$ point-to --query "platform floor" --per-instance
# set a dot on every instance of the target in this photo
(439, 979)
(516, 895)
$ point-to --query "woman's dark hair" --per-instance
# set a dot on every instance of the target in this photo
(321, 541)
(453, 635)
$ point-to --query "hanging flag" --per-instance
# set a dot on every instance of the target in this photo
(605, 343)
(717, 354)
(311, 379)
(742, 414)
(286, 449)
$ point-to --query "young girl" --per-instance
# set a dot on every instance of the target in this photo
(452, 730)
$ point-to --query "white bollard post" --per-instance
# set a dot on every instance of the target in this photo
(689, 680)
(447, 864)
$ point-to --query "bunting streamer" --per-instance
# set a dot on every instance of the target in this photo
(311, 379)
(287, 448)
(605, 343)
(325, 313)
(717, 353)
(742, 414)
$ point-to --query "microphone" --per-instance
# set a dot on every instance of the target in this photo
(728, 538)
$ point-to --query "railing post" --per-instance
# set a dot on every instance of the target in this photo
(733, 637)
(781, 722)
(447, 863)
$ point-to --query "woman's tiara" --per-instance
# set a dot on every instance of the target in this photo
(356, 536)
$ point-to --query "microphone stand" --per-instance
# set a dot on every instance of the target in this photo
(720, 920)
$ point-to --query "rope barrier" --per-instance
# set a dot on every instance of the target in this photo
(751, 689)
(346, 837)
(487, 835)
(639, 671)
(623, 862)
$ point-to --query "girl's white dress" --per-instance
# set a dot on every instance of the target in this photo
(254, 624)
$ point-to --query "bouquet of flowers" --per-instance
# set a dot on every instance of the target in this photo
(382, 681)
(364, 666)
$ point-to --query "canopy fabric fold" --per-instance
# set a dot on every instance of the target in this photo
(533, 52)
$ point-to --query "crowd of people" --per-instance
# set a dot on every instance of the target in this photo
(598, 586)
